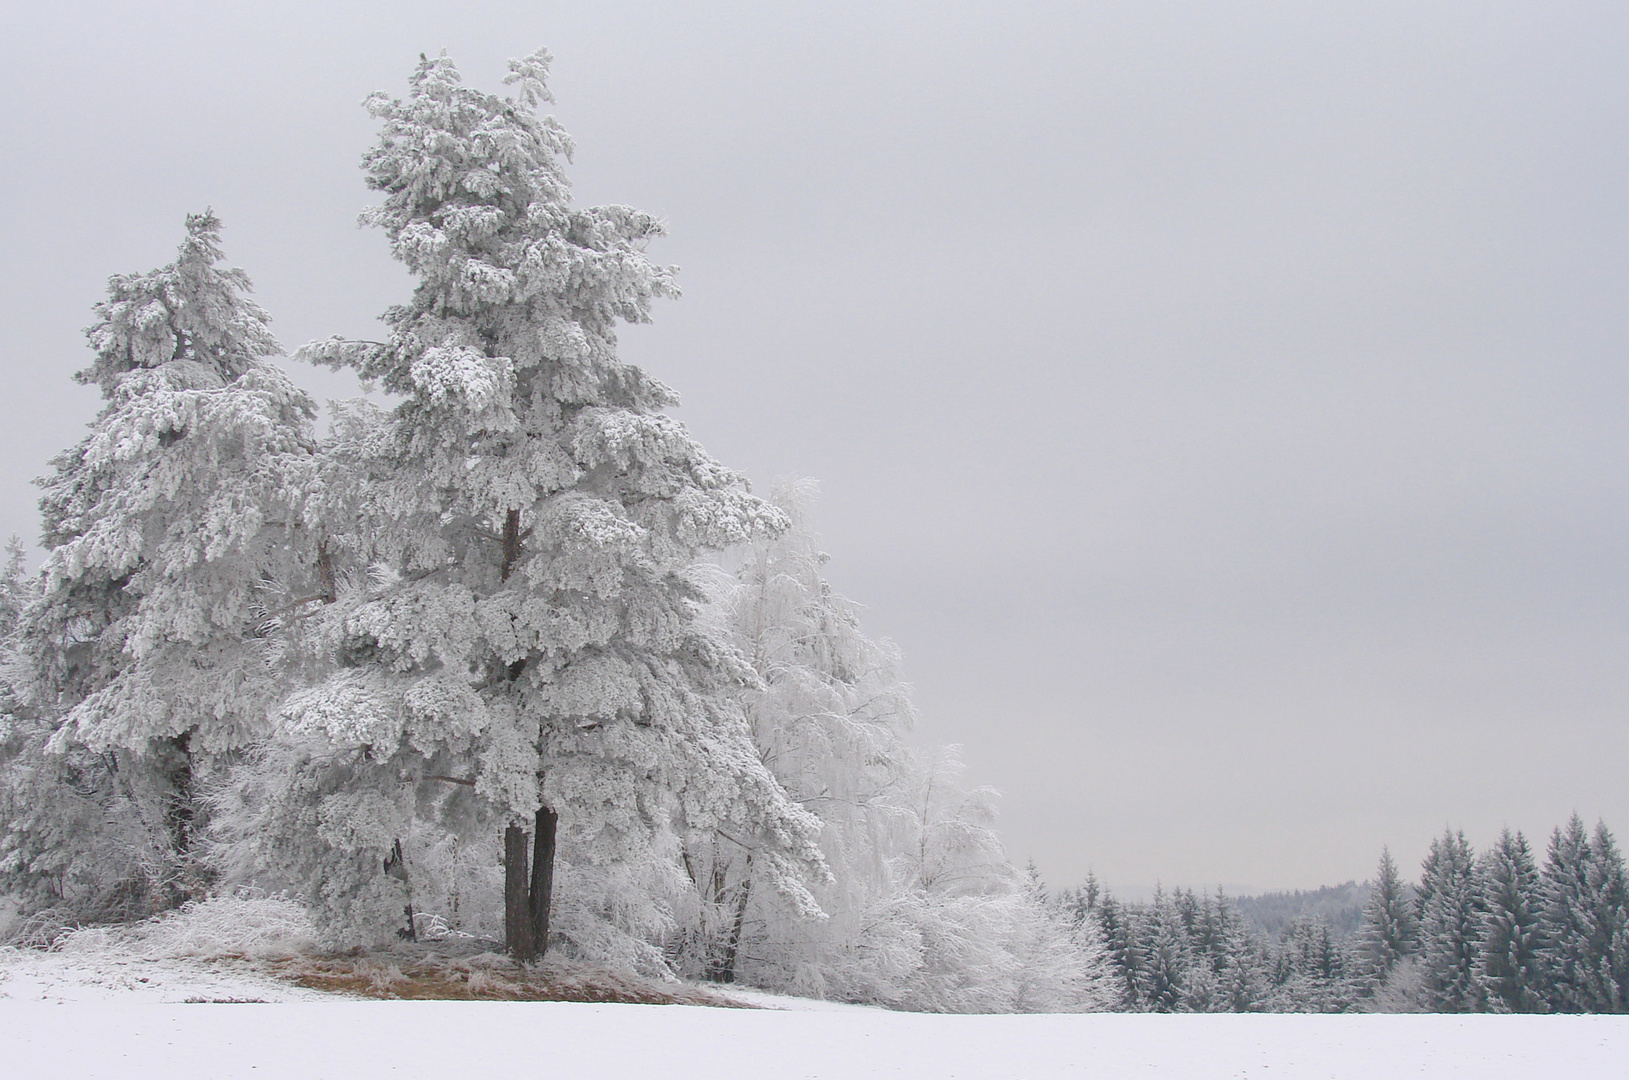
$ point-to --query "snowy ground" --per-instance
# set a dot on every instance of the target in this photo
(154, 1001)
(138, 1036)
(27, 975)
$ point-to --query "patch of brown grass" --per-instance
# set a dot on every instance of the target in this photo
(484, 977)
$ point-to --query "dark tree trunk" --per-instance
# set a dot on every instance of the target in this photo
(178, 812)
(179, 883)
(396, 867)
(722, 965)
(525, 889)
(518, 937)
(723, 969)
(325, 573)
(511, 542)
(543, 876)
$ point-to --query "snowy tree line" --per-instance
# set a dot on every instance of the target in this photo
(1479, 933)
(513, 659)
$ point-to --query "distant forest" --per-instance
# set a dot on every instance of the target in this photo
(1489, 931)
(1339, 906)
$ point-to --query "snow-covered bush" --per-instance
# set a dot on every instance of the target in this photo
(255, 928)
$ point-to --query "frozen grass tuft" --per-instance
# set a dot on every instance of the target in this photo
(410, 972)
(41, 930)
(276, 937)
(266, 928)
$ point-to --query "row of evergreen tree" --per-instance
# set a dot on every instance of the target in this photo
(1478, 933)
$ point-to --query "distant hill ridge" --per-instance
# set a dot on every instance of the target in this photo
(1341, 906)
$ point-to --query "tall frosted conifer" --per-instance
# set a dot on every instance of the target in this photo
(166, 525)
(1584, 919)
(1450, 926)
(1390, 926)
(529, 629)
(1512, 939)
(1119, 928)
(1167, 954)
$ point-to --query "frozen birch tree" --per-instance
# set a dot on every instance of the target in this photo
(517, 645)
(170, 528)
(924, 908)
(827, 719)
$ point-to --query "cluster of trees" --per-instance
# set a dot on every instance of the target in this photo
(514, 658)
(1185, 952)
(1495, 933)
(1478, 933)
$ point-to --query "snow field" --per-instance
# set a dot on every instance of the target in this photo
(36, 977)
(346, 1039)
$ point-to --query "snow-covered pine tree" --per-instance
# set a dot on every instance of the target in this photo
(1390, 931)
(1567, 924)
(1117, 925)
(1584, 921)
(17, 588)
(170, 528)
(1512, 958)
(1313, 972)
(70, 847)
(526, 653)
(1609, 889)
(1167, 956)
(1451, 926)
(1201, 990)
(1237, 961)
(1082, 900)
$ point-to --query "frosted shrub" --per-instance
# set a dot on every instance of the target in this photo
(258, 928)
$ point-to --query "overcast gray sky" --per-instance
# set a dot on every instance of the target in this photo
(1223, 405)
